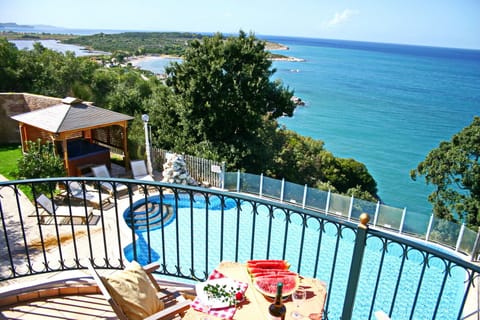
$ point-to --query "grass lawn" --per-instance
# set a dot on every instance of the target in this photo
(9, 155)
(8, 165)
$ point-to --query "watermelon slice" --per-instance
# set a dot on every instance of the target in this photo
(268, 264)
(253, 270)
(267, 285)
(274, 272)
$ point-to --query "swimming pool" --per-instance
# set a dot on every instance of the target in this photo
(193, 240)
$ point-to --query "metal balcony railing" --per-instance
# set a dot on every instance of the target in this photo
(189, 230)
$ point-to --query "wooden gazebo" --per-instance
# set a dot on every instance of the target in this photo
(82, 133)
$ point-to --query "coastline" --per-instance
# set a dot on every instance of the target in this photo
(135, 61)
(275, 46)
(288, 59)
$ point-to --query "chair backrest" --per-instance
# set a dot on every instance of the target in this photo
(101, 171)
(99, 281)
(75, 187)
(46, 203)
(138, 168)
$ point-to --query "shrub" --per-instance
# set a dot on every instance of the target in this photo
(40, 161)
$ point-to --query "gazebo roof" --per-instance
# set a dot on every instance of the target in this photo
(71, 115)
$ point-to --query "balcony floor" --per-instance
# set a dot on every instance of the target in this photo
(82, 306)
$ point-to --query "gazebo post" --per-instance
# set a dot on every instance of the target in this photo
(65, 154)
(23, 135)
(125, 146)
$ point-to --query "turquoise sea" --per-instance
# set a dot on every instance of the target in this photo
(384, 105)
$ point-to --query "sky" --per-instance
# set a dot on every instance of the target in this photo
(442, 23)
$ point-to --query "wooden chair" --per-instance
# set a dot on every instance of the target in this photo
(174, 303)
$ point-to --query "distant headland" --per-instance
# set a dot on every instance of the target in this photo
(125, 41)
(5, 25)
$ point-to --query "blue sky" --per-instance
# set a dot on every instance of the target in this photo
(445, 23)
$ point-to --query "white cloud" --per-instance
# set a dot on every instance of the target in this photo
(341, 17)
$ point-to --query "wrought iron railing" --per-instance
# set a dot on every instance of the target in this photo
(189, 230)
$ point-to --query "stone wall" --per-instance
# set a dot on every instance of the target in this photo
(16, 103)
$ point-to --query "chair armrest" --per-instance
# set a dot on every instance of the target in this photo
(167, 312)
(151, 267)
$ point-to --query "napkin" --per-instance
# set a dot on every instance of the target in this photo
(224, 313)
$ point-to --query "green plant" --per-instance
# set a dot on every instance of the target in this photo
(40, 161)
(223, 293)
(453, 168)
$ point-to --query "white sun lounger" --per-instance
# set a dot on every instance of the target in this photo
(102, 172)
(76, 191)
(83, 213)
(139, 170)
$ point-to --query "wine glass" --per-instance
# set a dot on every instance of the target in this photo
(298, 296)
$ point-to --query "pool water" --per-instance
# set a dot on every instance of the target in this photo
(183, 241)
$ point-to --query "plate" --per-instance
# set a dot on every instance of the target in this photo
(215, 303)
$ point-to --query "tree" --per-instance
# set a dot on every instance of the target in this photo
(121, 89)
(349, 173)
(229, 104)
(304, 160)
(8, 65)
(454, 169)
(44, 71)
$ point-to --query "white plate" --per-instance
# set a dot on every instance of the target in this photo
(214, 303)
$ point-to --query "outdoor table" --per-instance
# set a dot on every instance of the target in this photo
(255, 305)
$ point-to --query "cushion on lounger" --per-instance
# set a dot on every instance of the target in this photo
(133, 291)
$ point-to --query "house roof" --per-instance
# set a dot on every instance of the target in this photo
(70, 116)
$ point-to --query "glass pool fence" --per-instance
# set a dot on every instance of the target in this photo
(401, 221)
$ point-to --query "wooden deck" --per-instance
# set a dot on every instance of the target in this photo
(62, 295)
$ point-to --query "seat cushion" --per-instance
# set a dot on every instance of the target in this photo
(134, 292)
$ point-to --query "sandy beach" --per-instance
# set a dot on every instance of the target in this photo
(135, 61)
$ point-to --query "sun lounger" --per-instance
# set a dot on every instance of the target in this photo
(139, 170)
(53, 210)
(92, 197)
(112, 188)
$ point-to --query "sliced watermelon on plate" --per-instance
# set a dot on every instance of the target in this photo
(266, 274)
(267, 285)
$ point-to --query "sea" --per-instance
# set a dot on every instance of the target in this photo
(385, 105)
